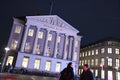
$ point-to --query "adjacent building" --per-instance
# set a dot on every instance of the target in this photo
(103, 57)
(43, 43)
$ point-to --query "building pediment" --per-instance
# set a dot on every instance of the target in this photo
(53, 20)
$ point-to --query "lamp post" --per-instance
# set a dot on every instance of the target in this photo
(6, 54)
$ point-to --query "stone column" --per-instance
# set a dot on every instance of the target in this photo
(70, 49)
(74, 54)
(65, 47)
(56, 44)
(46, 43)
(35, 43)
(24, 38)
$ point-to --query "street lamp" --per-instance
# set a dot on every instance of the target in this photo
(5, 57)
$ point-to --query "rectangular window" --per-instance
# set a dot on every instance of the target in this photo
(49, 37)
(38, 49)
(88, 62)
(96, 51)
(92, 52)
(18, 29)
(30, 32)
(96, 61)
(96, 73)
(117, 51)
(47, 66)
(37, 64)
(102, 74)
(109, 61)
(9, 60)
(27, 47)
(58, 64)
(92, 62)
(102, 61)
(117, 62)
(40, 34)
(25, 62)
(14, 44)
(110, 75)
(89, 53)
(102, 50)
(109, 50)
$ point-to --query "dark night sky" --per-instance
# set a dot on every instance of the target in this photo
(95, 19)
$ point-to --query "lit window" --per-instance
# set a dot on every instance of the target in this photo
(102, 61)
(117, 51)
(82, 62)
(109, 50)
(96, 51)
(110, 75)
(27, 47)
(117, 62)
(92, 62)
(85, 61)
(96, 72)
(102, 74)
(59, 39)
(89, 53)
(76, 43)
(40, 34)
(96, 61)
(25, 62)
(102, 50)
(49, 37)
(85, 53)
(14, 44)
(17, 29)
(9, 60)
(38, 49)
(88, 62)
(47, 66)
(30, 32)
(58, 64)
(92, 52)
(109, 61)
(37, 64)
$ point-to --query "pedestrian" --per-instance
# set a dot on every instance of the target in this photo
(86, 74)
(67, 73)
(9, 68)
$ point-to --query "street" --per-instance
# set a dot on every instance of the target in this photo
(9, 76)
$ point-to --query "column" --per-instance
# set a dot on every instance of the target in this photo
(46, 43)
(74, 50)
(24, 38)
(70, 49)
(65, 47)
(35, 43)
(56, 44)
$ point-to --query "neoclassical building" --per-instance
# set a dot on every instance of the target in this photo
(103, 57)
(43, 43)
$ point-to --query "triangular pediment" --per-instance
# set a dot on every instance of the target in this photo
(53, 20)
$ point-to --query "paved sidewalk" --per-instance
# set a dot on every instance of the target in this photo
(8, 76)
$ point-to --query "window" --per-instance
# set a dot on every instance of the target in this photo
(102, 74)
(25, 62)
(82, 62)
(96, 61)
(47, 66)
(85, 53)
(9, 60)
(96, 51)
(30, 32)
(109, 61)
(27, 47)
(38, 49)
(92, 52)
(92, 62)
(102, 50)
(102, 61)
(14, 44)
(58, 64)
(117, 62)
(110, 75)
(85, 61)
(49, 37)
(40, 34)
(109, 50)
(37, 64)
(58, 39)
(96, 72)
(17, 29)
(89, 53)
(88, 62)
(48, 52)
(117, 51)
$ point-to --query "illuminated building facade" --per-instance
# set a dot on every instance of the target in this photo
(43, 43)
(103, 57)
